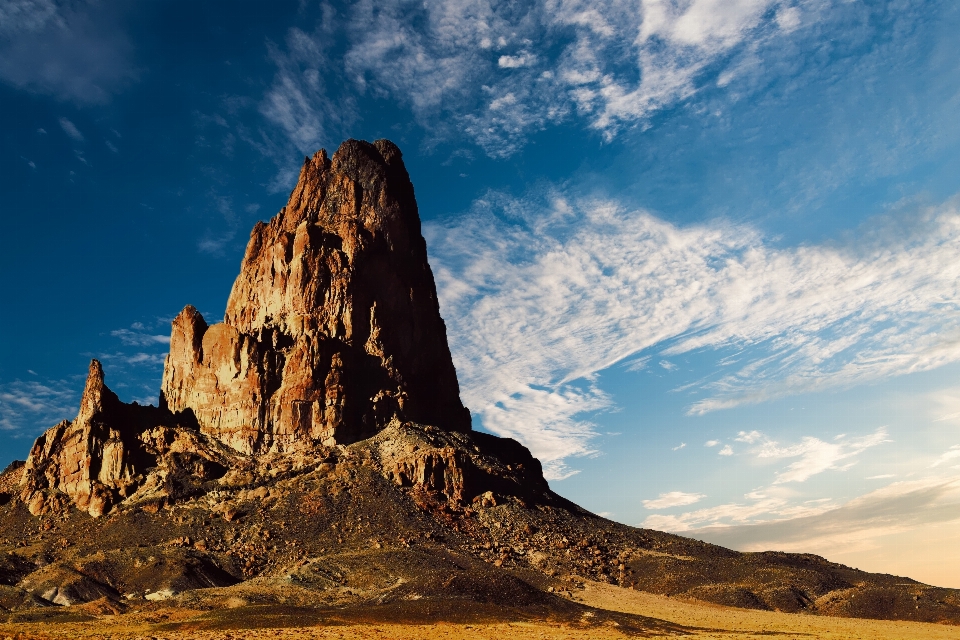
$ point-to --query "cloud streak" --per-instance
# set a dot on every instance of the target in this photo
(899, 507)
(543, 294)
(813, 455)
(31, 405)
(139, 338)
(673, 499)
(498, 72)
(71, 130)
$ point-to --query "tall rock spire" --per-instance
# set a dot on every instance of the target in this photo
(332, 328)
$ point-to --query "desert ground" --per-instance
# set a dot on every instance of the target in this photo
(693, 620)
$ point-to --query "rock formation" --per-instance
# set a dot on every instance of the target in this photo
(332, 328)
(109, 451)
(332, 333)
(312, 451)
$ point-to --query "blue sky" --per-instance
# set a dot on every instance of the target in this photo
(700, 256)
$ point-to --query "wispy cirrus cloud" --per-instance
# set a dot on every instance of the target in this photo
(33, 405)
(498, 72)
(137, 335)
(301, 100)
(950, 455)
(543, 294)
(673, 499)
(760, 506)
(899, 507)
(74, 51)
(71, 130)
(813, 455)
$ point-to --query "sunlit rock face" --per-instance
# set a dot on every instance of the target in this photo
(82, 459)
(332, 334)
(332, 328)
(110, 452)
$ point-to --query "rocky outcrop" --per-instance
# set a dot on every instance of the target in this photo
(108, 451)
(459, 467)
(332, 328)
(332, 335)
(86, 460)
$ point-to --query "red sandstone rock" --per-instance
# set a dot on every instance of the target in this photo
(333, 327)
(332, 335)
(85, 459)
(102, 456)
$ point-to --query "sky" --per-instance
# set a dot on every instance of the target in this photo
(702, 257)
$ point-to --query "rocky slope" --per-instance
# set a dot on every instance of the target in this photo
(312, 451)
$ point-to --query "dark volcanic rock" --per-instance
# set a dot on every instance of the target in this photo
(333, 327)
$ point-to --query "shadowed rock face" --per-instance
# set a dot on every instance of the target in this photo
(332, 328)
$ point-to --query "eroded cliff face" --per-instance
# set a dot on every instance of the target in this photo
(332, 335)
(111, 451)
(332, 328)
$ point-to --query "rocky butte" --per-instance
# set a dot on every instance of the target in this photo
(312, 450)
(332, 333)
(332, 329)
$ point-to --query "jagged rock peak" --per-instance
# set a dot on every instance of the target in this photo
(96, 396)
(332, 328)
(113, 452)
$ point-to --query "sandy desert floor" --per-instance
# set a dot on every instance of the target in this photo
(726, 622)
(705, 621)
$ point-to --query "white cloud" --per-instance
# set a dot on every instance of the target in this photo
(763, 506)
(788, 18)
(775, 502)
(71, 130)
(214, 242)
(673, 499)
(815, 455)
(750, 437)
(138, 338)
(541, 295)
(882, 476)
(300, 100)
(498, 72)
(214, 245)
(637, 364)
(711, 443)
(524, 59)
(30, 406)
(679, 446)
(952, 454)
(898, 507)
(118, 361)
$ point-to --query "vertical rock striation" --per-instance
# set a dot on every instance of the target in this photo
(332, 334)
(332, 328)
(107, 453)
(90, 460)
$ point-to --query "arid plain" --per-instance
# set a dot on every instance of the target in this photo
(696, 619)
